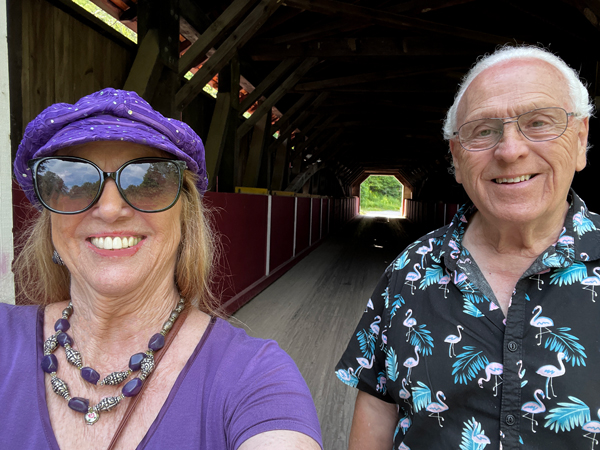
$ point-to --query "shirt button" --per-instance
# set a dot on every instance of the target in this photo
(510, 420)
(513, 346)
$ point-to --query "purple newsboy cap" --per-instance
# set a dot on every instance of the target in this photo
(107, 115)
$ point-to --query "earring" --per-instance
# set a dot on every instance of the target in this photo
(56, 259)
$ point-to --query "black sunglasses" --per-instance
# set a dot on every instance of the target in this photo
(71, 185)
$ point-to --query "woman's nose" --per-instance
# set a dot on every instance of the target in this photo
(111, 205)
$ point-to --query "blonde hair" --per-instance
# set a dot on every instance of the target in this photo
(40, 281)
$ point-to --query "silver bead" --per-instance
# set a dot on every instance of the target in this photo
(167, 325)
(108, 403)
(174, 316)
(147, 366)
(73, 356)
(60, 387)
(115, 378)
(50, 344)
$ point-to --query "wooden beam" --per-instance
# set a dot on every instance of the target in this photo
(279, 166)
(194, 15)
(255, 153)
(283, 88)
(319, 32)
(301, 179)
(369, 78)
(226, 50)
(146, 68)
(283, 120)
(215, 32)
(322, 129)
(265, 84)
(215, 141)
(392, 20)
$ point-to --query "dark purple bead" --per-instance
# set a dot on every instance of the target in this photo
(49, 363)
(135, 362)
(62, 325)
(90, 375)
(132, 387)
(63, 338)
(156, 342)
(79, 404)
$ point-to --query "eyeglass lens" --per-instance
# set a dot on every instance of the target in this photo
(71, 186)
(542, 124)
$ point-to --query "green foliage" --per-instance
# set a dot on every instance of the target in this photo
(380, 193)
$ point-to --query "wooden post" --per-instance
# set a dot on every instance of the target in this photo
(7, 284)
(250, 176)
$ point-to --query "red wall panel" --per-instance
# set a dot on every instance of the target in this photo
(302, 224)
(282, 230)
(241, 220)
(316, 220)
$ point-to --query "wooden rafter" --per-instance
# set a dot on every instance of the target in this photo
(253, 21)
(281, 90)
(146, 68)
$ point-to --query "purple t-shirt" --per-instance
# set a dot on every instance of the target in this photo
(232, 388)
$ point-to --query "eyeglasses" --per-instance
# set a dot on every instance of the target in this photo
(538, 125)
(71, 185)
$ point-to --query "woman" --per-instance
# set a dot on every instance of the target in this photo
(126, 316)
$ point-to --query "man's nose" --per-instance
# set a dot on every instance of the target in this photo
(512, 144)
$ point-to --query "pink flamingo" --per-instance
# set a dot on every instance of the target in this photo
(444, 283)
(590, 283)
(541, 322)
(409, 322)
(455, 251)
(375, 325)
(435, 408)
(364, 364)
(565, 239)
(403, 446)
(538, 278)
(425, 249)
(534, 408)
(453, 339)
(412, 362)
(405, 394)
(411, 277)
(592, 427)
(551, 372)
(480, 439)
(495, 369)
(405, 424)
(384, 337)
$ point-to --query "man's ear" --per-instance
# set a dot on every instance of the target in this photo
(582, 140)
(455, 148)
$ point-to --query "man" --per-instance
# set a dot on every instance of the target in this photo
(485, 331)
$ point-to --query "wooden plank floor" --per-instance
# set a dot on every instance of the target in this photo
(312, 311)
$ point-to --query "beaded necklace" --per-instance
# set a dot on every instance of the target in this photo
(144, 362)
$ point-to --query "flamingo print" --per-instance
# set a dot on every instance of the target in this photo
(375, 325)
(538, 278)
(409, 322)
(581, 223)
(405, 424)
(590, 283)
(570, 415)
(480, 439)
(495, 369)
(364, 364)
(411, 362)
(443, 282)
(540, 322)
(425, 249)
(411, 277)
(435, 408)
(550, 372)
(404, 394)
(521, 372)
(533, 408)
(592, 427)
(347, 376)
(452, 339)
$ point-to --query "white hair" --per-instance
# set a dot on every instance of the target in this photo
(579, 96)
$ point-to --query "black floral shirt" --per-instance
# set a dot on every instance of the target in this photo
(433, 340)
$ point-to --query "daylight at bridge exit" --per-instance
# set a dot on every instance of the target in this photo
(322, 127)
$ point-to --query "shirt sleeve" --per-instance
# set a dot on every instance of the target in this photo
(269, 395)
(363, 364)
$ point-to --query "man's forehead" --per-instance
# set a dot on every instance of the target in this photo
(515, 84)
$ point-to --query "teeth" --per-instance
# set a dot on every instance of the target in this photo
(116, 243)
(513, 180)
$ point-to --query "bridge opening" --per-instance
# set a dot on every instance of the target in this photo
(381, 196)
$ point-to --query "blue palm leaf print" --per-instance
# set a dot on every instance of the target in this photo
(581, 224)
(396, 305)
(366, 339)
(386, 296)
(475, 297)
(471, 309)
(347, 376)
(561, 341)
(569, 415)
(421, 336)
(421, 396)
(472, 428)
(432, 275)
(569, 275)
(468, 364)
(391, 364)
(401, 261)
